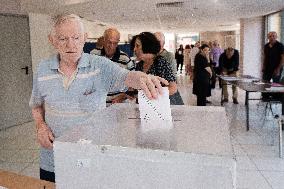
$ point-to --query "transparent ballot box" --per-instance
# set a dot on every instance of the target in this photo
(110, 150)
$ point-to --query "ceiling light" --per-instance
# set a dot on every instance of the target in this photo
(170, 4)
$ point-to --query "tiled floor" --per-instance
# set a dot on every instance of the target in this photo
(256, 150)
(258, 162)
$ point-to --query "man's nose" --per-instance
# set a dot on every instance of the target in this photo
(70, 42)
(112, 44)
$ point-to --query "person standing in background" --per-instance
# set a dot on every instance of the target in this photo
(202, 75)
(186, 60)
(111, 51)
(194, 51)
(170, 58)
(214, 54)
(229, 66)
(273, 58)
(179, 57)
(176, 98)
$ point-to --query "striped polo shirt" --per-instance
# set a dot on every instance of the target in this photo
(121, 59)
(66, 107)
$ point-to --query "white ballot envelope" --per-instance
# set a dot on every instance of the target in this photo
(156, 113)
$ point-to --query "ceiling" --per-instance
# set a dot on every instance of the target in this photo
(151, 15)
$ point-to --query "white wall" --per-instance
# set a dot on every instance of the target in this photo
(252, 42)
(39, 30)
(93, 30)
(10, 7)
(220, 37)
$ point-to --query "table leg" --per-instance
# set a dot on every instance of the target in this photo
(247, 109)
(280, 136)
(222, 92)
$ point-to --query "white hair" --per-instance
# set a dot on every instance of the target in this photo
(60, 19)
(111, 31)
(160, 36)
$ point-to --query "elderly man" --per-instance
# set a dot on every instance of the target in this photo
(170, 58)
(111, 51)
(273, 58)
(229, 66)
(69, 87)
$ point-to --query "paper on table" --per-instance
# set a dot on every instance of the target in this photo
(156, 113)
(249, 80)
(2, 187)
(275, 89)
(260, 83)
(230, 78)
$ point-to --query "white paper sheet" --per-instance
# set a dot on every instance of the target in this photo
(155, 114)
(229, 78)
(275, 89)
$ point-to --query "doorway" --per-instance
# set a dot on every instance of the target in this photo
(15, 72)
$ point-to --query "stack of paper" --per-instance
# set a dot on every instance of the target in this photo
(156, 113)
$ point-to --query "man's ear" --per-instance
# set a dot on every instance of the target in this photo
(50, 39)
(85, 37)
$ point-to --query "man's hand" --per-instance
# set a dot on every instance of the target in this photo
(208, 69)
(119, 99)
(44, 136)
(148, 83)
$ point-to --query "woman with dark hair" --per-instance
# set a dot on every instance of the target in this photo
(146, 48)
(202, 74)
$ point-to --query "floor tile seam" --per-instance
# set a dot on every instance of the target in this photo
(257, 168)
(13, 126)
(29, 164)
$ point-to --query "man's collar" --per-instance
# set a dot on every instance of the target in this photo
(116, 55)
(83, 62)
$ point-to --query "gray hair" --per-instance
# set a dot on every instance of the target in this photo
(60, 19)
(160, 36)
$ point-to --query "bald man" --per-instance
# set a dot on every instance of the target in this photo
(111, 51)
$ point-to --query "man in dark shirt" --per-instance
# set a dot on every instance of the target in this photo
(273, 58)
(229, 66)
(179, 57)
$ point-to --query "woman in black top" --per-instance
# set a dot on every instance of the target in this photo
(146, 47)
(179, 56)
(202, 75)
